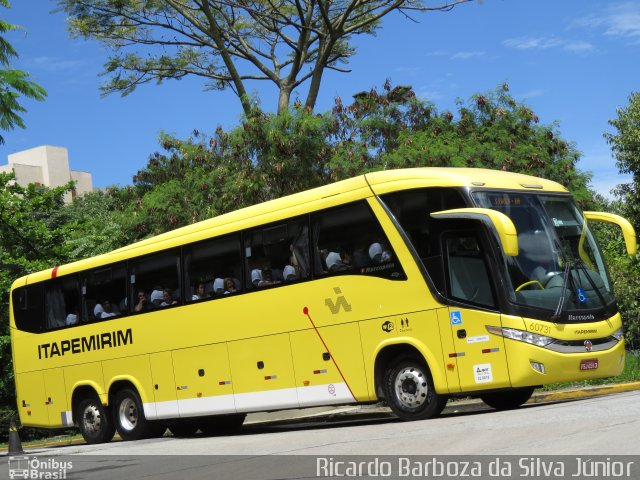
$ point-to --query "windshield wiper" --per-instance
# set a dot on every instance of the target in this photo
(563, 293)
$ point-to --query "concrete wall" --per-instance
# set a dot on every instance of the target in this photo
(49, 166)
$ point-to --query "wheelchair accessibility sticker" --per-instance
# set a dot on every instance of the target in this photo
(582, 295)
(456, 317)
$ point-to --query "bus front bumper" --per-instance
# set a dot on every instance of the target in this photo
(531, 365)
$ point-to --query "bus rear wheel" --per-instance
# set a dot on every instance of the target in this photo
(129, 418)
(508, 400)
(94, 421)
(409, 390)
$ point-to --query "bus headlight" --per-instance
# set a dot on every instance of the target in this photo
(521, 336)
(618, 334)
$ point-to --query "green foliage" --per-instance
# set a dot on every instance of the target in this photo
(624, 272)
(625, 146)
(395, 129)
(270, 155)
(267, 157)
(33, 232)
(14, 84)
(94, 224)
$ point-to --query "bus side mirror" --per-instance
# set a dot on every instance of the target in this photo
(628, 232)
(498, 221)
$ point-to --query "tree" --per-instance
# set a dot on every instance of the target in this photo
(396, 129)
(285, 42)
(94, 223)
(33, 232)
(625, 270)
(269, 156)
(625, 146)
(13, 83)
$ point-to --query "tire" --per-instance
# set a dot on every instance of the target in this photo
(94, 421)
(508, 400)
(223, 424)
(129, 419)
(409, 390)
(183, 429)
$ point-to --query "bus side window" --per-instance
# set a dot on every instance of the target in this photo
(208, 264)
(277, 254)
(152, 275)
(349, 239)
(105, 293)
(62, 302)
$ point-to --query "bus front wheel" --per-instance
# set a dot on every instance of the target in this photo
(410, 392)
(94, 421)
(129, 418)
(508, 400)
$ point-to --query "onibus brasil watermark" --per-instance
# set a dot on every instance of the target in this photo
(31, 467)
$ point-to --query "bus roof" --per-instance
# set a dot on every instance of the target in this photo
(351, 189)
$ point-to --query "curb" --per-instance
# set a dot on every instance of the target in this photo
(584, 392)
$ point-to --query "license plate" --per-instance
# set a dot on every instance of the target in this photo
(589, 364)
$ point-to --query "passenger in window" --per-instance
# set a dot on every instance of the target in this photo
(104, 309)
(73, 317)
(339, 262)
(167, 299)
(157, 297)
(267, 278)
(143, 302)
(378, 255)
(289, 273)
(200, 292)
(218, 286)
(229, 286)
(256, 277)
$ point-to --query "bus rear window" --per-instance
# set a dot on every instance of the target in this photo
(28, 308)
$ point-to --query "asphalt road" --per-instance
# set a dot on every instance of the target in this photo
(606, 425)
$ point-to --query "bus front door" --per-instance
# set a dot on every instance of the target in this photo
(479, 355)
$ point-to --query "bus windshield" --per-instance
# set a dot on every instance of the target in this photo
(559, 266)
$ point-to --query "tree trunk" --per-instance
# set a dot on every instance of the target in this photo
(314, 88)
(284, 98)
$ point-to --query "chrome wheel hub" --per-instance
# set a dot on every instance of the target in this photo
(411, 387)
(128, 414)
(91, 419)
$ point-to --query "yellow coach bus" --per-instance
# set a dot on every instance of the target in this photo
(411, 286)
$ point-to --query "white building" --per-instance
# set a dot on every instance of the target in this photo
(48, 166)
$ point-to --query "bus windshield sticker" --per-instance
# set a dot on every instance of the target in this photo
(456, 317)
(582, 295)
